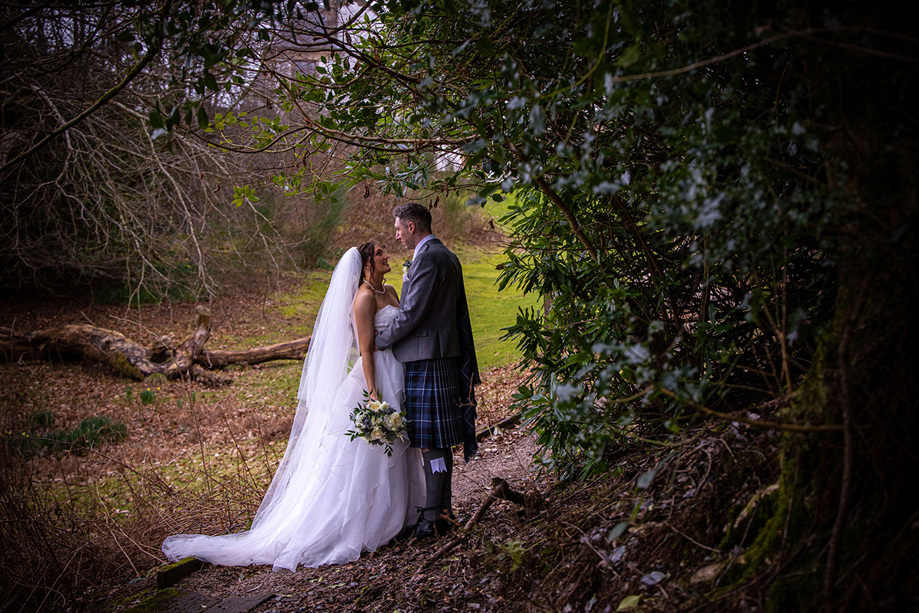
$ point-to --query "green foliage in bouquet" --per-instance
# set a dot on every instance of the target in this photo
(378, 423)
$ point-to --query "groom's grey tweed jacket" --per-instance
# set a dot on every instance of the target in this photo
(433, 301)
(433, 322)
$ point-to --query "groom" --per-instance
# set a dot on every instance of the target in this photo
(432, 337)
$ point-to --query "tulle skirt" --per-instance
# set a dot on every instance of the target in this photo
(332, 497)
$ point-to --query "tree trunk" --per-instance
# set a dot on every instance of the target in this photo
(189, 359)
(843, 534)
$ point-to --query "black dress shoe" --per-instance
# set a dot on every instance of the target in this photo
(425, 529)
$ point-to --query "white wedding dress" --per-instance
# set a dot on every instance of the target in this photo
(332, 497)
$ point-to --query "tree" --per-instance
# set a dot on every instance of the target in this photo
(715, 200)
(104, 178)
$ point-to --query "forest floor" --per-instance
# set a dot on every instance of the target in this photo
(195, 458)
(410, 576)
(663, 529)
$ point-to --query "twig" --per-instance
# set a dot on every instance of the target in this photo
(708, 469)
(753, 422)
(692, 540)
(152, 51)
(500, 491)
(125, 553)
(847, 458)
(805, 34)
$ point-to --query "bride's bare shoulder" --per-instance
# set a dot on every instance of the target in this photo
(364, 302)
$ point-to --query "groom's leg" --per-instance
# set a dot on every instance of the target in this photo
(446, 494)
(436, 475)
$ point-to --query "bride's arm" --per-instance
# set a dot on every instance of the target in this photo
(365, 308)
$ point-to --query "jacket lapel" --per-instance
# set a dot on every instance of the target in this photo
(420, 251)
(407, 285)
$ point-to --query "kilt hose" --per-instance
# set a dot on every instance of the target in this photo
(432, 392)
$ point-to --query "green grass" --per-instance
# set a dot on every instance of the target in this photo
(305, 301)
(490, 310)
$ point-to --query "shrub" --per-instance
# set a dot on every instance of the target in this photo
(90, 433)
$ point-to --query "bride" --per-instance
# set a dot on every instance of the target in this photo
(332, 497)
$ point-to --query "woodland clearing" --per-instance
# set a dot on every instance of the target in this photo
(198, 459)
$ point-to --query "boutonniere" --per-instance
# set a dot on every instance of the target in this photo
(405, 266)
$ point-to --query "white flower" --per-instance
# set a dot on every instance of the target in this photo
(374, 405)
(376, 435)
(393, 421)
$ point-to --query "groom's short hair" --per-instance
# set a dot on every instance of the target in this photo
(413, 211)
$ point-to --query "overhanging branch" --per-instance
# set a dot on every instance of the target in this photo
(138, 68)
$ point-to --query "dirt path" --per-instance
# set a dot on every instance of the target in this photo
(392, 578)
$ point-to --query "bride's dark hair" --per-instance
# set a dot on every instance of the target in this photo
(367, 250)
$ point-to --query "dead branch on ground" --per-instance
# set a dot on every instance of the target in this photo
(500, 491)
(133, 360)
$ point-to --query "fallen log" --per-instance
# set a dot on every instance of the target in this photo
(189, 359)
(291, 350)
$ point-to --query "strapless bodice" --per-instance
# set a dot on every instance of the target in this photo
(384, 317)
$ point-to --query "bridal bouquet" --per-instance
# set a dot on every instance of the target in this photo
(377, 423)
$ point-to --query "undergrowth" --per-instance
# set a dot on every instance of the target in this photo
(89, 433)
(664, 531)
(66, 534)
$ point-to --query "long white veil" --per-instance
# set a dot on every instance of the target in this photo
(298, 491)
(333, 349)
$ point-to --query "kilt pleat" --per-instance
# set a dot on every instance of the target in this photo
(432, 394)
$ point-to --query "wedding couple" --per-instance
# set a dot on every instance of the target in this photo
(333, 497)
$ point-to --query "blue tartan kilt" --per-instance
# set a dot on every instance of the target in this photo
(432, 393)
